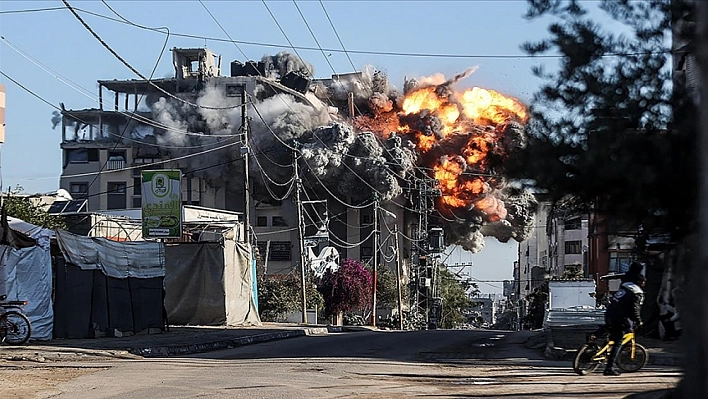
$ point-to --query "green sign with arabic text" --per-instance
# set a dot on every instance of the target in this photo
(162, 204)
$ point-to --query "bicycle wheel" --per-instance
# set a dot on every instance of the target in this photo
(14, 328)
(625, 361)
(583, 363)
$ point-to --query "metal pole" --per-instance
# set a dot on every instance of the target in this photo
(398, 278)
(375, 261)
(300, 238)
(244, 153)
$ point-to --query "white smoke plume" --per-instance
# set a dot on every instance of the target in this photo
(285, 62)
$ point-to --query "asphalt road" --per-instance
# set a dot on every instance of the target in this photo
(381, 364)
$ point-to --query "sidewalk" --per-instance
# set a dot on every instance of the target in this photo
(179, 340)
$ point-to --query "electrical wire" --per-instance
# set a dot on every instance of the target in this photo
(288, 105)
(125, 129)
(339, 242)
(127, 114)
(129, 66)
(335, 50)
(283, 31)
(314, 37)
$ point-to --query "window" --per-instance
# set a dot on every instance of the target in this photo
(116, 160)
(78, 190)
(619, 262)
(279, 221)
(573, 247)
(573, 224)
(116, 195)
(80, 155)
(279, 251)
(137, 202)
(138, 186)
(234, 90)
(262, 221)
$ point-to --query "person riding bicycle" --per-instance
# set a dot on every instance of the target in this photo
(623, 313)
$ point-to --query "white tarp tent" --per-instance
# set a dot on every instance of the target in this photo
(26, 275)
(118, 259)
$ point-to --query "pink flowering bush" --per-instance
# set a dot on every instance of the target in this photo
(346, 290)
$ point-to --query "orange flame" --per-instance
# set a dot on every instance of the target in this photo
(476, 105)
(458, 190)
(467, 120)
(492, 207)
(482, 105)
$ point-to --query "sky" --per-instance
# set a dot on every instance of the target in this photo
(56, 59)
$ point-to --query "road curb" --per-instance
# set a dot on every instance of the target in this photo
(181, 350)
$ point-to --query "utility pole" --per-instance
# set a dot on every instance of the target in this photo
(421, 192)
(300, 237)
(375, 259)
(398, 278)
(244, 154)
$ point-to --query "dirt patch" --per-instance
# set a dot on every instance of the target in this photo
(22, 380)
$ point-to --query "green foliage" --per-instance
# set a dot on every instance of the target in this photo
(455, 299)
(607, 126)
(347, 290)
(386, 291)
(25, 209)
(280, 295)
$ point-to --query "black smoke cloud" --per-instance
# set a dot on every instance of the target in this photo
(345, 161)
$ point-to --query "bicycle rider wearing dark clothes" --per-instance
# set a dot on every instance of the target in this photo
(623, 310)
(635, 268)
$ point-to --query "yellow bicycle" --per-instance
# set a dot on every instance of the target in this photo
(590, 356)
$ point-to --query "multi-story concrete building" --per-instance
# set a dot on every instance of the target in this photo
(533, 254)
(106, 148)
(567, 243)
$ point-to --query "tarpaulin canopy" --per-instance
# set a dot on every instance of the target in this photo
(108, 288)
(26, 272)
(209, 283)
(140, 259)
(11, 237)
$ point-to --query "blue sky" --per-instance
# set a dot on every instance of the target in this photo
(54, 56)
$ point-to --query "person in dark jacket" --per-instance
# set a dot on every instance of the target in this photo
(622, 315)
(635, 269)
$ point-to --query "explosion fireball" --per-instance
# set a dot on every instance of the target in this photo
(461, 138)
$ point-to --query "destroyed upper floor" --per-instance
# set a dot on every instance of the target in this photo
(197, 71)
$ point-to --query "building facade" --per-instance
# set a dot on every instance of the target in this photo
(105, 150)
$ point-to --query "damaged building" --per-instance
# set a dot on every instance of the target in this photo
(194, 122)
(369, 158)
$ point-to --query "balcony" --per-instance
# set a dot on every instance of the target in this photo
(115, 163)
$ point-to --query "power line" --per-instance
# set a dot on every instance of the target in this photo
(282, 31)
(135, 71)
(350, 51)
(314, 37)
(30, 10)
(139, 117)
(125, 129)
